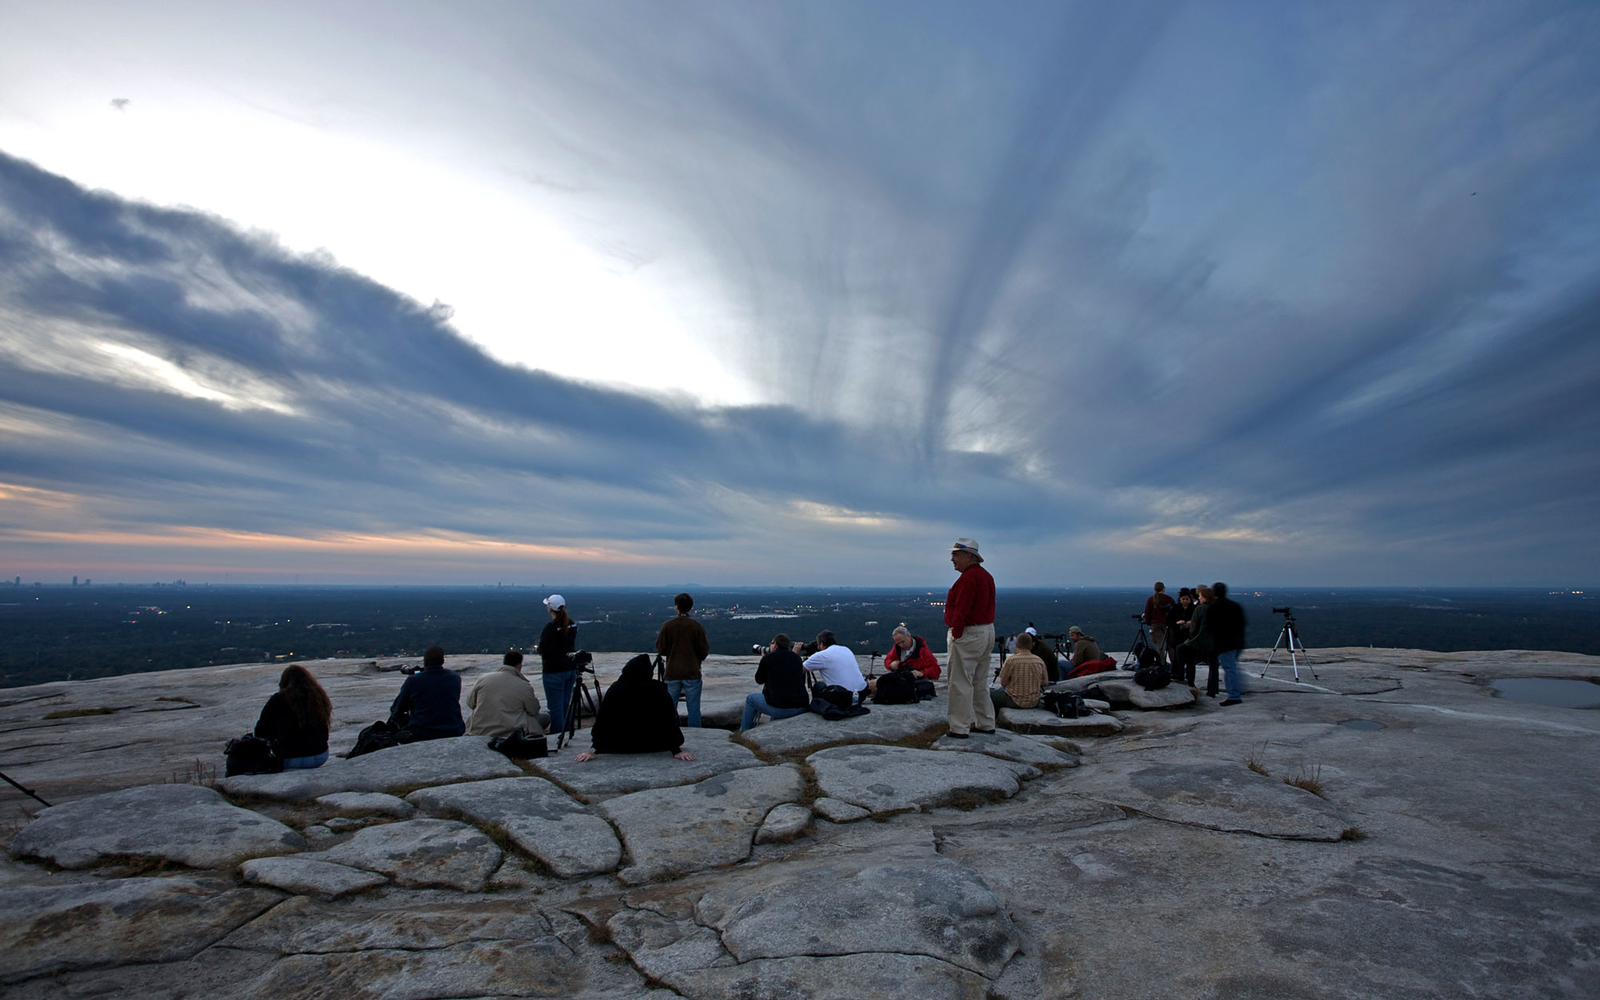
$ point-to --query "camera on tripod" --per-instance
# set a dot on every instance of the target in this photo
(1285, 612)
(582, 660)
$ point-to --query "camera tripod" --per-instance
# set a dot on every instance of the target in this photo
(580, 702)
(1141, 640)
(1289, 638)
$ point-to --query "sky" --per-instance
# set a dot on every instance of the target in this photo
(771, 294)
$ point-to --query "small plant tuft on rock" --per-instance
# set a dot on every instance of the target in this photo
(1310, 780)
(199, 773)
(1253, 762)
(1352, 833)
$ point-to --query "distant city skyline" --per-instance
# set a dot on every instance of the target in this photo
(629, 293)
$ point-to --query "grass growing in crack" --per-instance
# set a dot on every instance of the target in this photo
(1310, 780)
(1352, 833)
(78, 713)
(179, 698)
(1253, 762)
(199, 773)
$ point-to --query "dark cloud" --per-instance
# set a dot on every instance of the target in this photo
(1311, 293)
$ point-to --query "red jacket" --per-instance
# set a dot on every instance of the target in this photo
(920, 658)
(1157, 607)
(970, 601)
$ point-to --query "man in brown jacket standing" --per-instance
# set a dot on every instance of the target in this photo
(683, 642)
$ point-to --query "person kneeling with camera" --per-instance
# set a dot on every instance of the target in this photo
(783, 679)
(637, 715)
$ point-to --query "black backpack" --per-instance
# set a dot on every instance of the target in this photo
(898, 687)
(519, 745)
(251, 755)
(1152, 678)
(1148, 657)
(1064, 704)
(378, 736)
(925, 689)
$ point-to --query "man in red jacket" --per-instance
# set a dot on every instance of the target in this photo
(969, 614)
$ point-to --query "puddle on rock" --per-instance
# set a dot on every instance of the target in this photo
(1362, 724)
(1561, 692)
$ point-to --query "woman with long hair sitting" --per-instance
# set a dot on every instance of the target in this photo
(295, 720)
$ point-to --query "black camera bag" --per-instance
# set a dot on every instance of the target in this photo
(519, 745)
(897, 687)
(251, 755)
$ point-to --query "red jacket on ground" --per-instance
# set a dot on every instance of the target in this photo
(970, 601)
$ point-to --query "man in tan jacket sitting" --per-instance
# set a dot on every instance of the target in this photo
(504, 700)
(1021, 679)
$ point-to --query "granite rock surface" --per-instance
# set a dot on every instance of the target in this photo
(541, 819)
(187, 824)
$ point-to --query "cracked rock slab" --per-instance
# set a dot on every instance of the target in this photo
(543, 968)
(421, 852)
(884, 724)
(838, 810)
(848, 977)
(305, 926)
(1218, 796)
(189, 824)
(898, 779)
(415, 765)
(52, 929)
(833, 902)
(362, 803)
(307, 877)
(538, 817)
(1042, 723)
(660, 945)
(669, 831)
(783, 824)
(1119, 691)
(1009, 746)
(611, 774)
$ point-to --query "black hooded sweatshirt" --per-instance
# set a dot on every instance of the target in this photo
(637, 715)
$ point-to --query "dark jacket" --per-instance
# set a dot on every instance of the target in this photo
(554, 645)
(683, 641)
(783, 680)
(1202, 639)
(637, 715)
(432, 699)
(1226, 619)
(278, 727)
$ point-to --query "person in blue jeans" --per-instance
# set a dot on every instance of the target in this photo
(783, 685)
(682, 640)
(1227, 628)
(557, 643)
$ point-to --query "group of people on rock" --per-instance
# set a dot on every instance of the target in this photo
(639, 714)
(1201, 626)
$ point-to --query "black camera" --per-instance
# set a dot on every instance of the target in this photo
(1283, 611)
(1138, 616)
(808, 648)
(581, 660)
(757, 648)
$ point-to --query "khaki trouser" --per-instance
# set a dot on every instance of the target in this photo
(969, 679)
(1158, 638)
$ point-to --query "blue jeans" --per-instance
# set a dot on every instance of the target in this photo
(1230, 673)
(296, 763)
(755, 703)
(689, 691)
(558, 689)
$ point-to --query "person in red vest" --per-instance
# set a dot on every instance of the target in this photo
(1157, 609)
(969, 615)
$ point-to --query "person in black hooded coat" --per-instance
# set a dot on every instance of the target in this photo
(637, 715)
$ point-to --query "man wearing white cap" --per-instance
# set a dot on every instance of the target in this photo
(969, 614)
